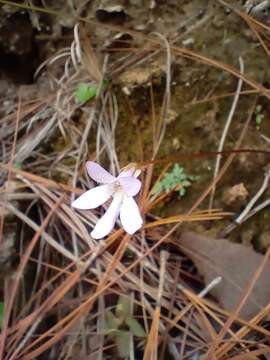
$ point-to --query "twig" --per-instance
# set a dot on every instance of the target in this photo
(210, 286)
(226, 128)
(150, 352)
(233, 225)
(255, 198)
(248, 212)
(265, 138)
(258, 208)
(14, 287)
(167, 96)
(46, 236)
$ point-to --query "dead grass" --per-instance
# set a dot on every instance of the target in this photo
(56, 300)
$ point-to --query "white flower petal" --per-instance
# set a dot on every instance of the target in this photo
(128, 172)
(97, 173)
(93, 197)
(106, 223)
(130, 185)
(130, 215)
(133, 171)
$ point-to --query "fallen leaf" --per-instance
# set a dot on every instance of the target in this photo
(236, 264)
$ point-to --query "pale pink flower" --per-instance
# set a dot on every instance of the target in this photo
(122, 189)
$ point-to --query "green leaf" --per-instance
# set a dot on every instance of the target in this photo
(18, 165)
(111, 322)
(173, 179)
(123, 308)
(122, 339)
(84, 92)
(135, 327)
(182, 192)
(1, 314)
(258, 109)
(259, 119)
(186, 183)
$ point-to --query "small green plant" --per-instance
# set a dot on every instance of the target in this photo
(121, 324)
(86, 92)
(258, 116)
(18, 165)
(176, 180)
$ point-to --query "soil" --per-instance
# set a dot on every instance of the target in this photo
(201, 101)
(27, 38)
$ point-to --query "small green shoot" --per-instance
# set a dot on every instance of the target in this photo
(176, 180)
(134, 326)
(258, 116)
(123, 307)
(121, 324)
(18, 165)
(86, 92)
(122, 340)
(111, 322)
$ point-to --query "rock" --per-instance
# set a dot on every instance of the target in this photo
(235, 196)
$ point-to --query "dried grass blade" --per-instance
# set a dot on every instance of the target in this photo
(151, 348)
(14, 288)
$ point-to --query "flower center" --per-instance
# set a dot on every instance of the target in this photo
(117, 186)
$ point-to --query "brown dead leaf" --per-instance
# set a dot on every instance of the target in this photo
(236, 264)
